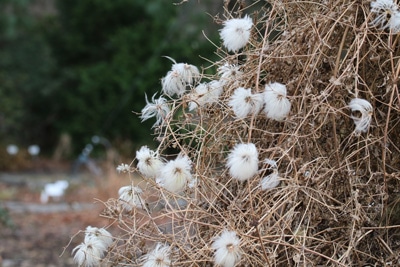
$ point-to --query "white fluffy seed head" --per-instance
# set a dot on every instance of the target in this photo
(149, 163)
(189, 73)
(394, 22)
(216, 88)
(277, 106)
(123, 168)
(270, 181)
(244, 103)
(227, 249)
(243, 161)
(130, 196)
(229, 74)
(365, 109)
(99, 233)
(382, 10)
(379, 5)
(200, 96)
(236, 33)
(205, 93)
(175, 174)
(158, 108)
(89, 253)
(173, 84)
(158, 257)
(387, 15)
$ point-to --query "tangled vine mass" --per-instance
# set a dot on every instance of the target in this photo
(287, 155)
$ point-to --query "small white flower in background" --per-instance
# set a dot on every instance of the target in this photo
(173, 83)
(244, 103)
(227, 249)
(89, 253)
(158, 108)
(158, 257)
(277, 106)
(365, 109)
(387, 15)
(149, 163)
(100, 234)
(129, 196)
(189, 73)
(243, 161)
(236, 33)
(229, 73)
(175, 174)
(123, 168)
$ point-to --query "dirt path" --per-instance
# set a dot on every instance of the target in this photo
(38, 233)
(33, 208)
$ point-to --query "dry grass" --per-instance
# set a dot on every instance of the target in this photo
(338, 203)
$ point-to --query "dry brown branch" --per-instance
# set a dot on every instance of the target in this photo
(336, 202)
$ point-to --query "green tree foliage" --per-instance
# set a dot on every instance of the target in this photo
(109, 53)
(26, 76)
(83, 70)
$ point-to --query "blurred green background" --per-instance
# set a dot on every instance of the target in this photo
(80, 67)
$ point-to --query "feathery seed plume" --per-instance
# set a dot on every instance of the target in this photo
(236, 33)
(243, 161)
(227, 249)
(277, 106)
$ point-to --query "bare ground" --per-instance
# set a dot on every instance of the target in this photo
(36, 234)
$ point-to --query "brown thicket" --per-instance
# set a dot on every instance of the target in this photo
(338, 200)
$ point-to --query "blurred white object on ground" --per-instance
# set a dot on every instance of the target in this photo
(54, 190)
(12, 149)
(33, 150)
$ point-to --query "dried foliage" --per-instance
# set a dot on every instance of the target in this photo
(337, 202)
